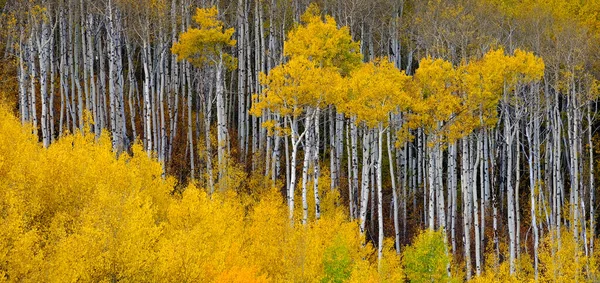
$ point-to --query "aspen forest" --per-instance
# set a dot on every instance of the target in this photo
(299, 140)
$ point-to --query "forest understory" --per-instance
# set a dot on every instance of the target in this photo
(299, 141)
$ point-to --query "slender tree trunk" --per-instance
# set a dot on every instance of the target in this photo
(394, 195)
(533, 189)
(466, 205)
(452, 189)
(473, 186)
(380, 133)
(308, 147)
(364, 199)
(351, 191)
(23, 100)
(591, 185)
(43, 47)
(315, 160)
(221, 124)
(32, 80)
(508, 134)
(354, 162)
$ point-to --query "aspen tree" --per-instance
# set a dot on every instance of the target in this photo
(320, 54)
(377, 89)
(207, 44)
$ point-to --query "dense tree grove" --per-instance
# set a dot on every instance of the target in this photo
(356, 140)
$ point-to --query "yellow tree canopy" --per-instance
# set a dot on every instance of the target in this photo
(323, 42)
(205, 44)
(319, 55)
(377, 89)
(455, 101)
(524, 67)
(482, 83)
(298, 84)
(438, 102)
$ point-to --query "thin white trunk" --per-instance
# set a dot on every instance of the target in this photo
(364, 196)
(533, 187)
(354, 164)
(43, 47)
(315, 159)
(241, 79)
(473, 187)
(147, 98)
(308, 146)
(452, 188)
(32, 80)
(351, 191)
(221, 124)
(431, 188)
(394, 195)
(379, 193)
(592, 188)
(466, 205)
(23, 101)
(510, 193)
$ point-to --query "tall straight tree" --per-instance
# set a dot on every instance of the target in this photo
(208, 44)
(377, 89)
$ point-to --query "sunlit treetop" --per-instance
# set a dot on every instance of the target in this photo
(485, 81)
(524, 67)
(322, 42)
(375, 90)
(207, 43)
(298, 84)
(481, 85)
(454, 101)
(438, 103)
(319, 55)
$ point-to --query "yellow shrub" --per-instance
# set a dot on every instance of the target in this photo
(77, 212)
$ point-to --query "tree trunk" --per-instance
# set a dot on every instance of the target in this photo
(221, 124)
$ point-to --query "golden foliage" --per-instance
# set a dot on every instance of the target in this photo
(76, 212)
(454, 101)
(560, 260)
(377, 89)
(205, 44)
(323, 42)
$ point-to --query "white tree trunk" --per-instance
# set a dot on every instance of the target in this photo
(473, 187)
(380, 133)
(466, 205)
(43, 47)
(394, 195)
(315, 158)
(364, 196)
(354, 163)
(221, 124)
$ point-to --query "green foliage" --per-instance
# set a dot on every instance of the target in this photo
(337, 262)
(427, 259)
